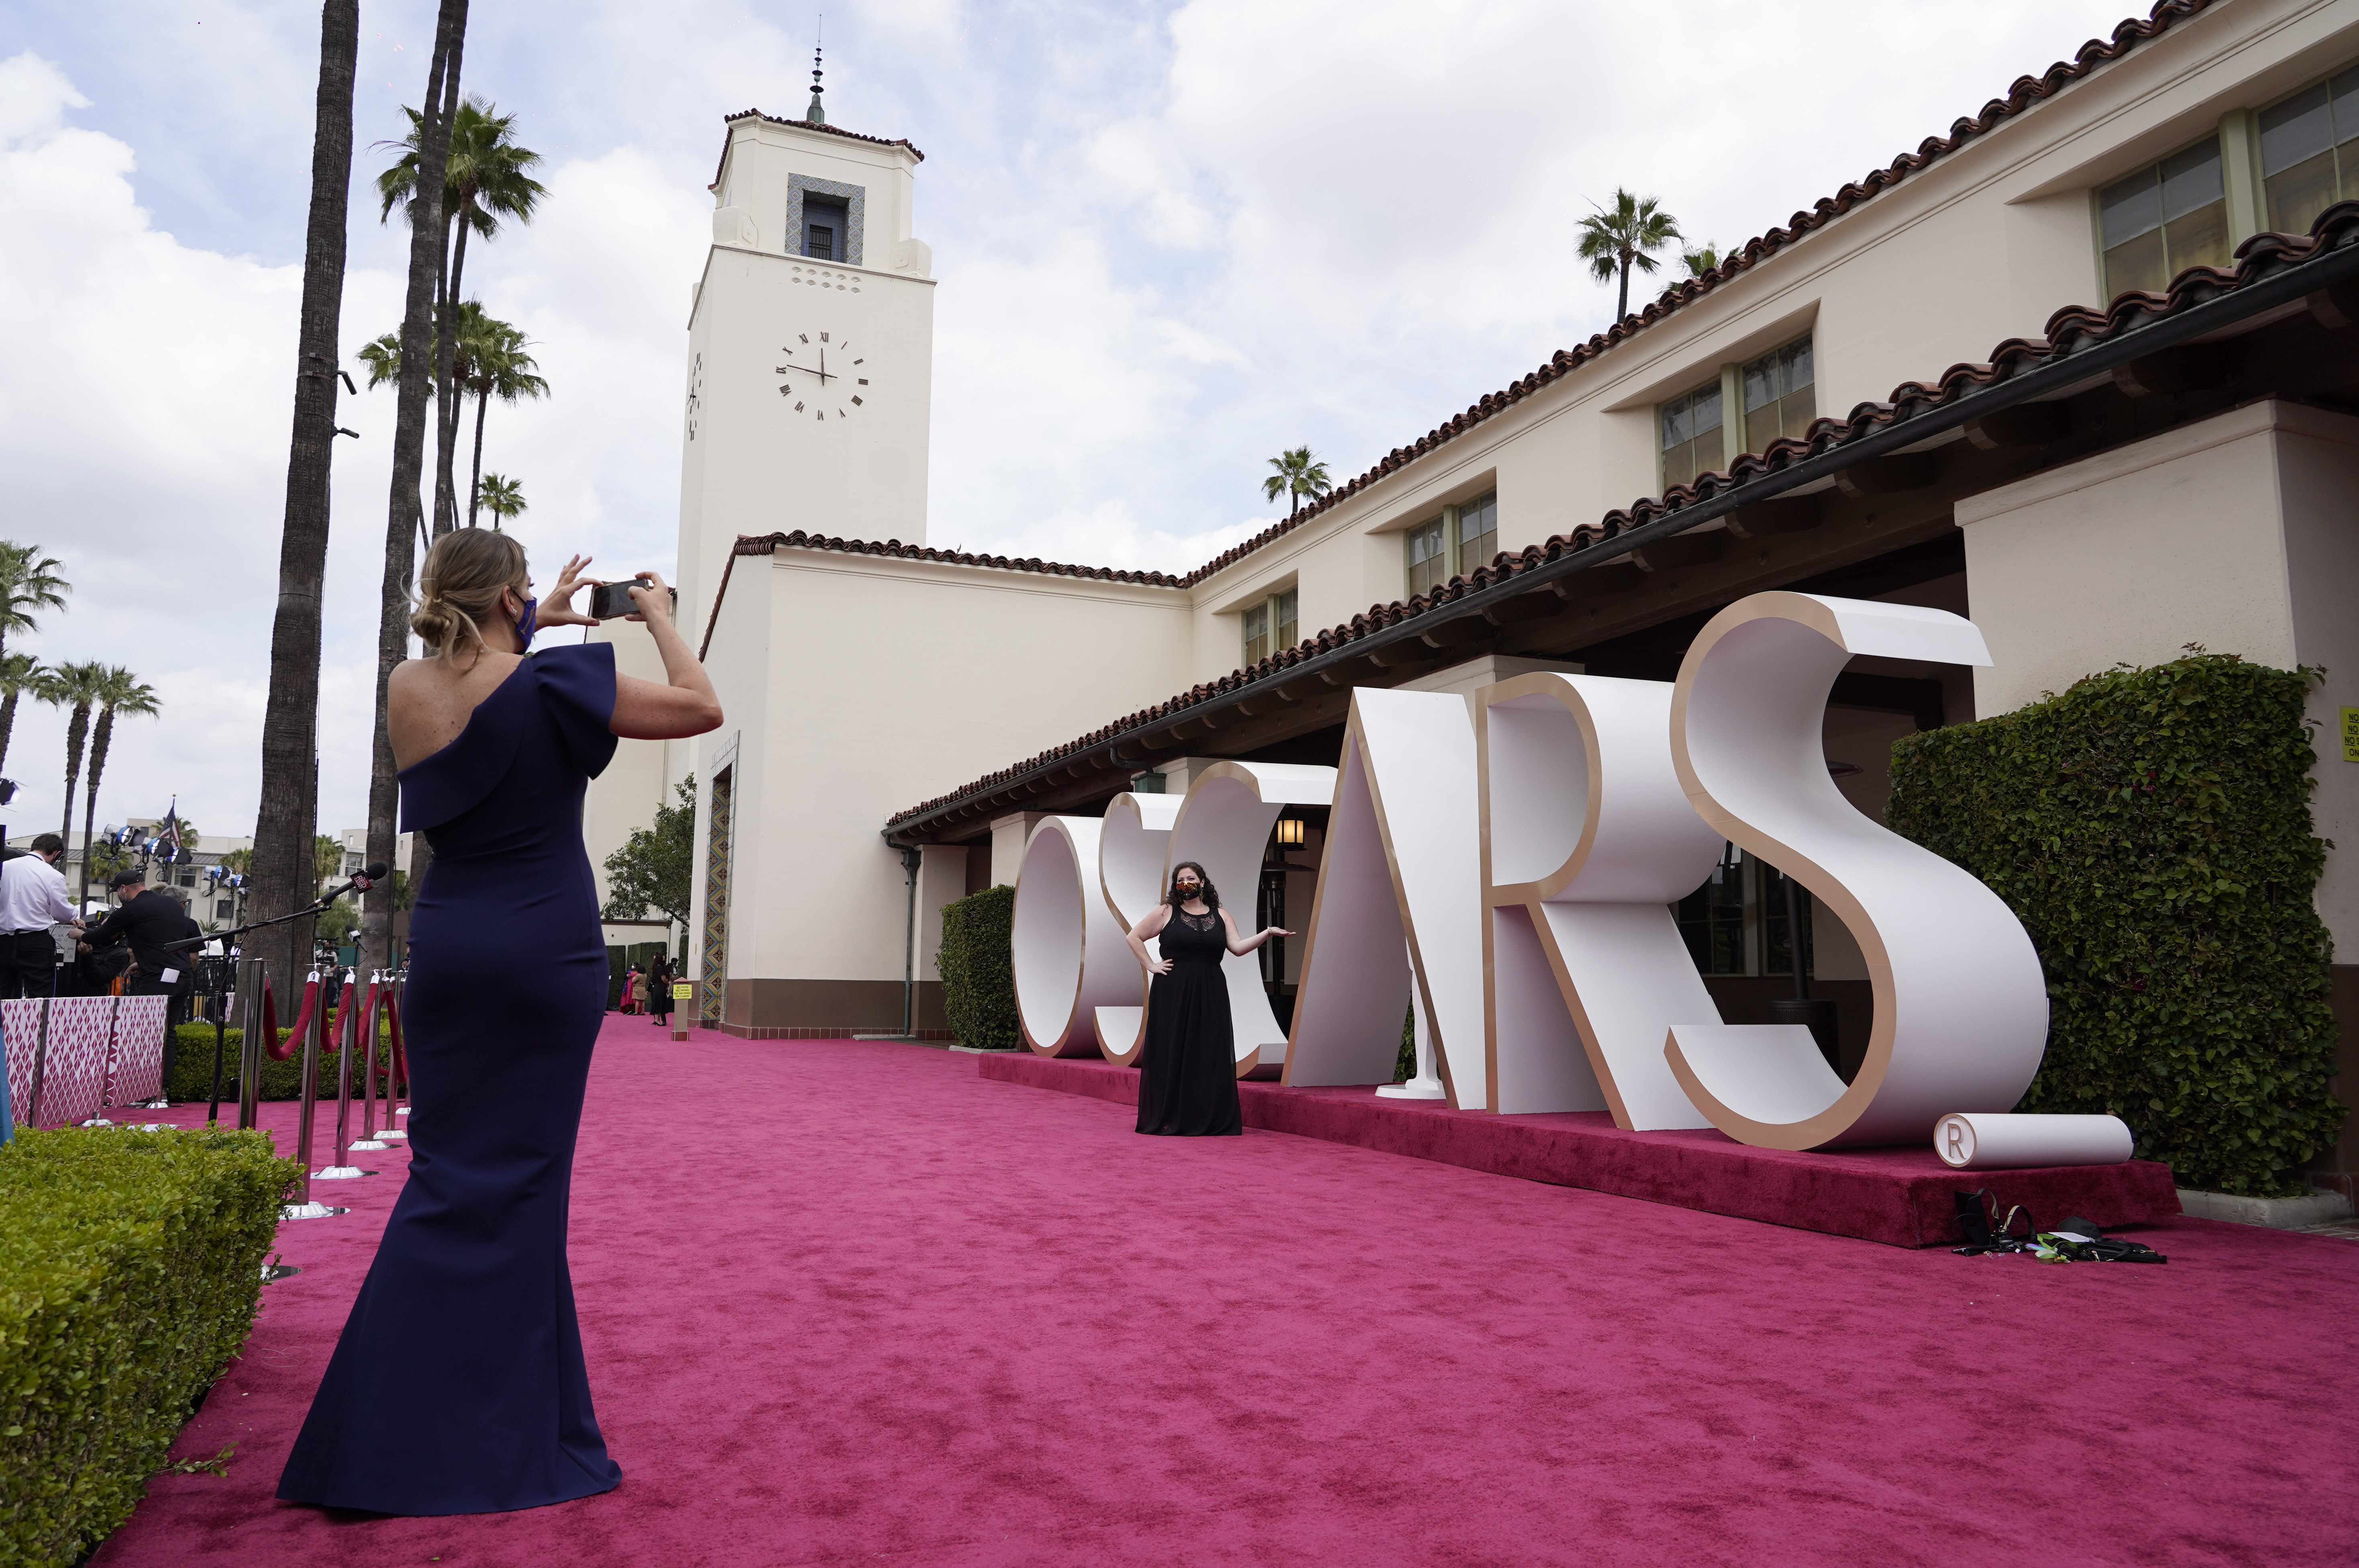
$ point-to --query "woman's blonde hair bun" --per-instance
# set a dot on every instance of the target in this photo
(465, 574)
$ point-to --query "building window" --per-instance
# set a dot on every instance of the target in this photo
(223, 909)
(2163, 219)
(1692, 439)
(1269, 627)
(1428, 556)
(825, 224)
(1735, 923)
(2304, 143)
(1779, 397)
(1478, 532)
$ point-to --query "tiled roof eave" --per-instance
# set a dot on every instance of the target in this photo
(903, 143)
(2080, 343)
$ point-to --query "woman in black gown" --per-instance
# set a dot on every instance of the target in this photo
(459, 1384)
(1187, 1077)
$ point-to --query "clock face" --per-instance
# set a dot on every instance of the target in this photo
(695, 395)
(823, 378)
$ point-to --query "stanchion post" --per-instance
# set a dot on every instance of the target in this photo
(368, 1069)
(396, 1088)
(221, 1031)
(40, 1065)
(346, 1005)
(311, 1090)
(250, 988)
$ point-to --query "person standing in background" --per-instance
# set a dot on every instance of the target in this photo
(33, 902)
(659, 990)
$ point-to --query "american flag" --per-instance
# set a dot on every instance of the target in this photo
(168, 839)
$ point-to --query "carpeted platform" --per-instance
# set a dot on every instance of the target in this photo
(1903, 1196)
(849, 1303)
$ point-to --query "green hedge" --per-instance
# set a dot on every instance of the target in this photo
(2151, 828)
(978, 969)
(193, 1067)
(130, 1268)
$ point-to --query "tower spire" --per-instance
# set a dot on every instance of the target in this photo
(817, 113)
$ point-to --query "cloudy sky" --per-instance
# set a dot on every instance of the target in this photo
(1172, 239)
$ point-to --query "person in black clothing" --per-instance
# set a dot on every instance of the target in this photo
(659, 990)
(143, 923)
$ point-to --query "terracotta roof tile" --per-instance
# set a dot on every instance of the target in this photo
(2067, 331)
(801, 126)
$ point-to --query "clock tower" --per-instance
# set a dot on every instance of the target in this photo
(810, 348)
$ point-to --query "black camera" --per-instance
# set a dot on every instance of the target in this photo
(609, 600)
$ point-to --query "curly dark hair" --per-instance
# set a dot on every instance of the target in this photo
(1210, 895)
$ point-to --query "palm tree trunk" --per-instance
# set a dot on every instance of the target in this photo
(405, 516)
(475, 484)
(98, 744)
(7, 724)
(446, 353)
(77, 732)
(283, 827)
(1622, 308)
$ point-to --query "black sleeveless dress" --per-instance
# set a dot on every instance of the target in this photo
(1187, 1078)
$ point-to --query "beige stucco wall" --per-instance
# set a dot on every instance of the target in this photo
(861, 685)
(2239, 532)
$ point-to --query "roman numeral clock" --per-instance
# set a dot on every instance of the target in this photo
(824, 378)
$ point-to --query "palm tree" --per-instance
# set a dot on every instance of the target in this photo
(291, 711)
(29, 581)
(497, 367)
(501, 496)
(1615, 239)
(405, 517)
(74, 687)
(1702, 260)
(1297, 474)
(20, 673)
(486, 178)
(116, 690)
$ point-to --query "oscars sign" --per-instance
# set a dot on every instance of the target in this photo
(1514, 871)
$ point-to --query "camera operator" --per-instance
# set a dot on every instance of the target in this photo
(146, 920)
(32, 903)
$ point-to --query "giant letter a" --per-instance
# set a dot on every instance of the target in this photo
(1399, 885)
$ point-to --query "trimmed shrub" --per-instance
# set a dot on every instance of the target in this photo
(2151, 829)
(130, 1269)
(978, 969)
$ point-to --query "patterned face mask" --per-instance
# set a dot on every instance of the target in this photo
(524, 623)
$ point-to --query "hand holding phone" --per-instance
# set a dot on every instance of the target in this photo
(610, 600)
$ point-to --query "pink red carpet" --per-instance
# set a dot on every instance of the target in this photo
(847, 1303)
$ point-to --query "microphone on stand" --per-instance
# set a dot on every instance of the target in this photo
(367, 877)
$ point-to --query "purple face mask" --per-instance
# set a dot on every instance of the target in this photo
(524, 623)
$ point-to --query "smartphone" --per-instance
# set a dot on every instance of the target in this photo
(608, 600)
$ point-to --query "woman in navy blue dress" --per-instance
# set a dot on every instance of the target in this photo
(459, 1384)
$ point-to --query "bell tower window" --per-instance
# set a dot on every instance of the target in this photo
(824, 218)
(824, 229)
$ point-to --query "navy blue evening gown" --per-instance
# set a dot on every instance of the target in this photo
(458, 1386)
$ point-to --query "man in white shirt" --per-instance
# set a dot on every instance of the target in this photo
(32, 899)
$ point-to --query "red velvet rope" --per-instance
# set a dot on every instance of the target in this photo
(270, 1020)
(368, 1026)
(336, 1020)
(281, 1049)
(400, 1070)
